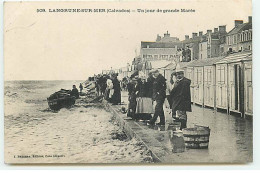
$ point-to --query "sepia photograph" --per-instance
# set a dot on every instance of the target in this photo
(128, 82)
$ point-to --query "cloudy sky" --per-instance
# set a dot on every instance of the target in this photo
(71, 46)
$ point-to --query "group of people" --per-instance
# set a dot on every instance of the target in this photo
(112, 92)
(147, 97)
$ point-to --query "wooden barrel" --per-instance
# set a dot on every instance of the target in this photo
(197, 137)
(174, 126)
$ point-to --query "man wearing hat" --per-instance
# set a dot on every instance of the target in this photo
(180, 98)
(159, 94)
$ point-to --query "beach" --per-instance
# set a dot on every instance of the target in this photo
(85, 133)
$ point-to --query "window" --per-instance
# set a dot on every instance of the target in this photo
(235, 39)
(249, 47)
(200, 56)
(245, 38)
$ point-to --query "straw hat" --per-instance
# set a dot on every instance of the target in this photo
(154, 71)
(178, 69)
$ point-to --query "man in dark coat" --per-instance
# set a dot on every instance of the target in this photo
(74, 92)
(149, 85)
(181, 98)
(159, 95)
(132, 89)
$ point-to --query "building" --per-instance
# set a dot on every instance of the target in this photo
(240, 37)
(165, 48)
(190, 47)
(209, 46)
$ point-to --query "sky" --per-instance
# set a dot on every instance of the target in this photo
(74, 46)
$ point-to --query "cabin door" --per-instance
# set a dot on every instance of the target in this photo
(208, 87)
(198, 81)
(248, 89)
(190, 75)
(221, 86)
(235, 88)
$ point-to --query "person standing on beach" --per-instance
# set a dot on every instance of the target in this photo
(116, 97)
(80, 87)
(144, 107)
(159, 94)
(181, 98)
(132, 89)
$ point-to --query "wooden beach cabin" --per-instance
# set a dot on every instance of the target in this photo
(234, 83)
(202, 74)
(168, 70)
(189, 73)
(160, 65)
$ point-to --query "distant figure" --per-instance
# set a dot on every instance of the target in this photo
(116, 97)
(109, 90)
(74, 92)
(80, 87)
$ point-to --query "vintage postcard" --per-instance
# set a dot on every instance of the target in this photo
(166, 82)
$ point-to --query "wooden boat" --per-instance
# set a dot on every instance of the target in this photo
(61, 99)
(197, 137)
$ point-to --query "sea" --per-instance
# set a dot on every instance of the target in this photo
(82, 134)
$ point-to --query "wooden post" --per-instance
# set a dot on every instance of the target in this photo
(214, 80)
(242, 89)
(227, 85)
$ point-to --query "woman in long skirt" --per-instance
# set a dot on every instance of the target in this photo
(144, 107)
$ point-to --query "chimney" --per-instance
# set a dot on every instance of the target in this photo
(200, 33)
(194, 34)
(209, 31)
(215, 30)
(187, 37)
(249, 19)
(222, 28)
(167, 34)
(238, 22)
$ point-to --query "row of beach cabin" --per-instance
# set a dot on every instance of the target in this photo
(222, 83)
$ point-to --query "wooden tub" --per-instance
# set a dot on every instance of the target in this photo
(197, 137)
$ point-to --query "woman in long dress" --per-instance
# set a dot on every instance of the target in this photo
(144, 107)
(116, 97)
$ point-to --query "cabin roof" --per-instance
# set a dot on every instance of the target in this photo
(204, 62)
(236, 57)
(169, 66)
(159, 64)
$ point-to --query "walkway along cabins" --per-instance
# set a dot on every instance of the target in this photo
(219, 64)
